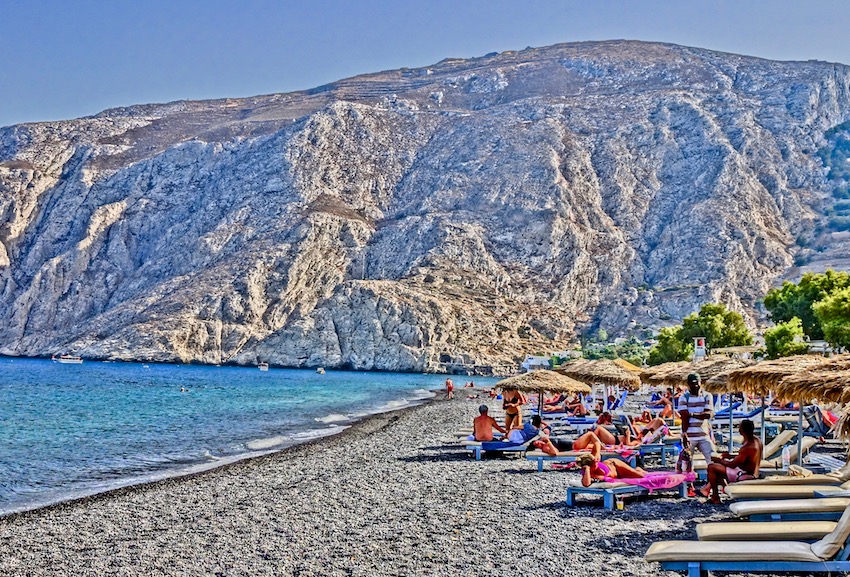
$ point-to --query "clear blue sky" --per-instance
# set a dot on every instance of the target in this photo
(70, 58)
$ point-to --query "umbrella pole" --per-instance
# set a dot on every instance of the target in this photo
(800, 436)
(763, 421)
(540, 403)
(731, 425)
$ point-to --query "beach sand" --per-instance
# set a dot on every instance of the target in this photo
(393, 495)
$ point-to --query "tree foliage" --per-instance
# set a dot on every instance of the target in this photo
(797, 300)
(833, 314)
(632, 351)
(783, 340)
(670, 347)
(720, 327)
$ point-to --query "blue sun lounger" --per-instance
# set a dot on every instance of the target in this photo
(828, 555)
(478, 447)
(610, 491)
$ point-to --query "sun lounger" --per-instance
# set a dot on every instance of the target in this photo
(570, 456)
(834, 478)
(478, 447)
(697, 558)
(744, 491)
(829, 508)
(610, 491)
(765, 531)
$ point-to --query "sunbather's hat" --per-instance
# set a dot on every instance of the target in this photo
(693, 379)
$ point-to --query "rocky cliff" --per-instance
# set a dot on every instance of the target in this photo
(478, 209)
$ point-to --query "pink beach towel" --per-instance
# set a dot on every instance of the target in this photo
(657, 481)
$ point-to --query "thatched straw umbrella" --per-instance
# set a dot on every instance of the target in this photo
(763, 377)
(629, 366)
(603, 371)
(655, 375)
(707, 369)
(542, 381)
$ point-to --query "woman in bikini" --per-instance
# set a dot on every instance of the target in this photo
(512, 404)
(607, 470)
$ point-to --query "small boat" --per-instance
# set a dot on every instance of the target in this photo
(320, 370)
(67, 359)
(263, 366)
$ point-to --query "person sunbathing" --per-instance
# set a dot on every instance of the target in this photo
(575, 407)
(605, 419)
(592, 469)
(665, 403)
(483, 425)
(743, 467)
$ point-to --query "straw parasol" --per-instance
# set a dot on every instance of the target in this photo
(603, 371)
(540, 381)
(829, 381)
(707, 369)
(543, 380)
(629, 366)
(763, 377)
(653, 375)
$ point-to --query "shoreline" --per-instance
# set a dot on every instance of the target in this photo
(182, 474)
(393, 495)
(231, 364)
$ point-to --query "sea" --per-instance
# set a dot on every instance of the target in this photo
(69, 431)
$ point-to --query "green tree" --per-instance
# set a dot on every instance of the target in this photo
(720, 327)
(833, 313)
(670, 347)
(783, 340)
(797, 300)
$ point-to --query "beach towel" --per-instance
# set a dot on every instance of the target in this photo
(498, 445)
(657, 481)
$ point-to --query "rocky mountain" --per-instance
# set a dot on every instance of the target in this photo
(475, 210)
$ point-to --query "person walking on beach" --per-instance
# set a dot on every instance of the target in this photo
(697, 409)
(483, 425)
(450, 388)
(743, 467)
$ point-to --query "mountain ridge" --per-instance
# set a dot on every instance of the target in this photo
(474, 209)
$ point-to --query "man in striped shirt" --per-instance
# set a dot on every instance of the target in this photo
(697, 409)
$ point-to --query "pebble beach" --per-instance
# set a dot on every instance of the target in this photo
(392, 495)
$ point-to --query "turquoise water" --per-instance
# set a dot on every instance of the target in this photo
(73, 430)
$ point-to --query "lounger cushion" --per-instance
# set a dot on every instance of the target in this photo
(831, 544)
(774, 491)
(786, 506)
(827, 479)
(788, 531)
(605, 455)
(731, 551)
(577, 484)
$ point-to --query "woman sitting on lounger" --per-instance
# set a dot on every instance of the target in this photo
(607, 470)
(665, 403)
(575, 407)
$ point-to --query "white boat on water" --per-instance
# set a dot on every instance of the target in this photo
(320, 370)
(67, 359)
(263, 366)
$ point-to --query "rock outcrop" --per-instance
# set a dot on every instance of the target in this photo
(476, 209)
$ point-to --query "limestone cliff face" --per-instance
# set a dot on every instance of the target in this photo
(484, 207)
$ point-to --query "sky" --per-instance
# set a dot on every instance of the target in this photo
(65, 59)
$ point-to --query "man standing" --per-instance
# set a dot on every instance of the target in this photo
(697, 409)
